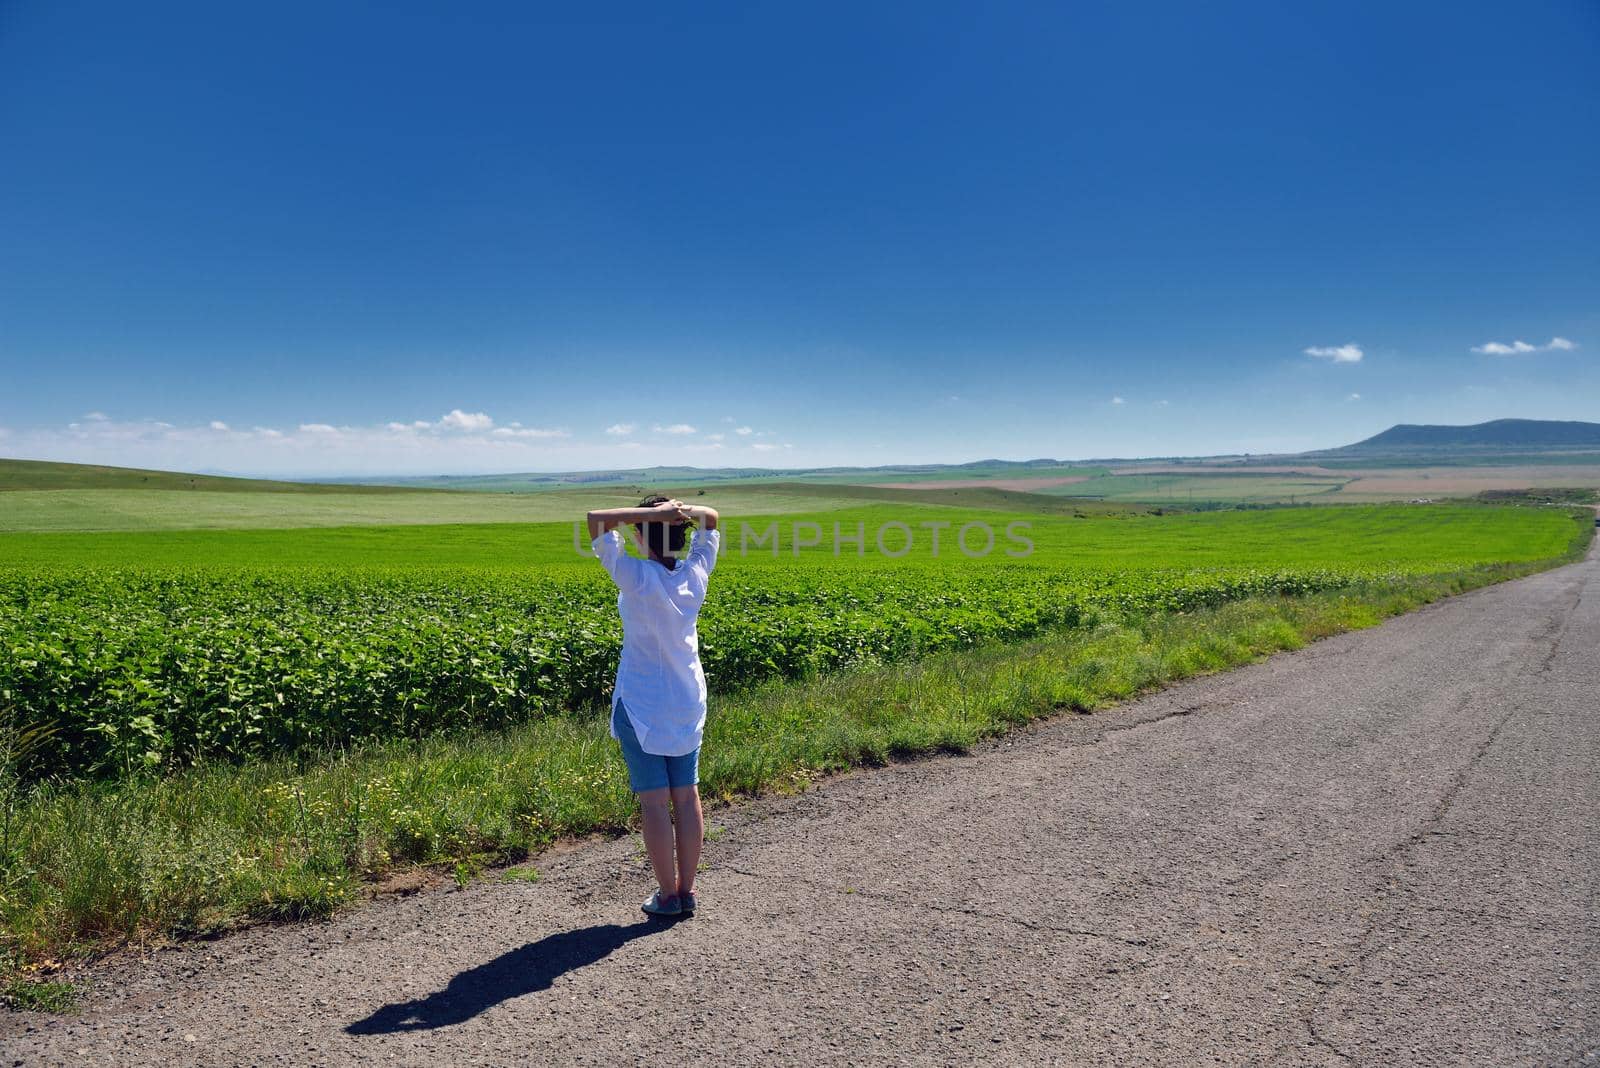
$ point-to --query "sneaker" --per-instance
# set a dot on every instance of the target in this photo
(660, 905)
(686, 904)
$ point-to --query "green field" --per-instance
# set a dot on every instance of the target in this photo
(1400, 536)
(163, 649)
(109, 499)
(128, 509)
(201, 726)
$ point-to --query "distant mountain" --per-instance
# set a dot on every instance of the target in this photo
(1499, 442)
(1503, 435)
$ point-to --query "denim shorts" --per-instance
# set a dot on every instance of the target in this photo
(649, 771)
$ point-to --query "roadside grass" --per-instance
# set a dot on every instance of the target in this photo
(86, 866)
(42, 995)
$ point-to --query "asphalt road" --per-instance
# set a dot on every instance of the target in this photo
(1383, 849)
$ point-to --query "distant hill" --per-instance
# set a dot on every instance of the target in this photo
(43, 475)
(1499, 442)
(1498, 435)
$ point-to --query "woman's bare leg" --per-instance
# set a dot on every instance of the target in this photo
(691, 832)
(658, 837)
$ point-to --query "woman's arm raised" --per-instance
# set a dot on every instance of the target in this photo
(604, 519)
(706, 517)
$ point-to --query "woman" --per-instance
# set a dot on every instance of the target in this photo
(658, 709)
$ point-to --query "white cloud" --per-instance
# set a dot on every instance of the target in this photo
(1350, 353)
(675, 428)
(743, 431)
(471, 423)
(96, 417)
(763, 446)
(620, 430)
(296, 450)
(1162, 403)
(1118, 400)
(218, 424)
(517, 430)
(1517, 348)
(456, 419)
(1353, 397)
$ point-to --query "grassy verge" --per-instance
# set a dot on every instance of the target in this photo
(87, 866)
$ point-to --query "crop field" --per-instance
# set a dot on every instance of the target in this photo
(169, 509)
(203, 726)
(1192, 484)
(1456, 481)
(1325, 482)
(158, 650)
(1439, 537)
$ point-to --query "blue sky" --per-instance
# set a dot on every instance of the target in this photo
(295, 239)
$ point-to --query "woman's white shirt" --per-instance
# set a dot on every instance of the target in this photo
(659, 679)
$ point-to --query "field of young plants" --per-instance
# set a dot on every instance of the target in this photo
(154, 651)
(205, 727)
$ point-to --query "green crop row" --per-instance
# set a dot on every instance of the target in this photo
(121, 671)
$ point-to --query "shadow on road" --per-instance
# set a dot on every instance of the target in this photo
(524, 970)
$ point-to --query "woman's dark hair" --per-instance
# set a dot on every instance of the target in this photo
(661, 538)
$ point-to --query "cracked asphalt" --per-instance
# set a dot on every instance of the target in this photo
(1382, 849)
